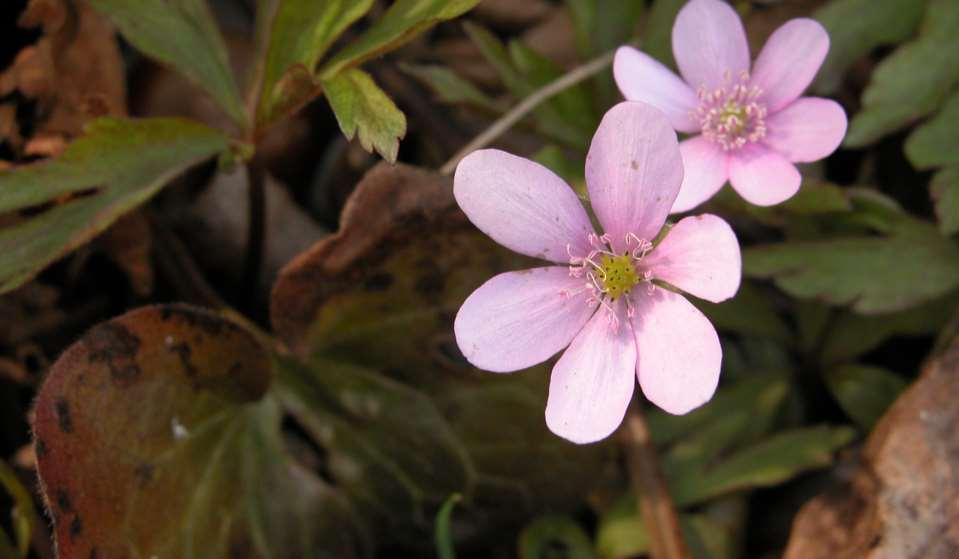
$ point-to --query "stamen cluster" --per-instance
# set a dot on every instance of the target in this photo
(731, 115)
(610, 275)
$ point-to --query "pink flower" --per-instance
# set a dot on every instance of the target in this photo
(604, 295)
(752, 127)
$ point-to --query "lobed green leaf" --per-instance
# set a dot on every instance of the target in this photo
(300, 34)
(872, 274)
(931, 63)
(401, 22)
(184, 35)
(864, 392)
(363, 109)
(857, 27)
(118, 165)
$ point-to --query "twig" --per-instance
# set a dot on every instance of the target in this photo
(505, 122)
(256, 234)
(655, 504)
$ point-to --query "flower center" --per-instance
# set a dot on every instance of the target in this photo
(731, 115)
(617, 275)
(610, 275)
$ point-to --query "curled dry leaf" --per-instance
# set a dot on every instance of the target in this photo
(901, 503)
(74, 71)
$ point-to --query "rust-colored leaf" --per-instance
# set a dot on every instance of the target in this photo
(155, 437)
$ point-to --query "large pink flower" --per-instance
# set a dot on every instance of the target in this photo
(752, 127)
(606, 299)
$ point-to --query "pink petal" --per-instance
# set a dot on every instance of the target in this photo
(699, 255)
(592, 382)
(709, 44)
(789, 61)
(518, 319)
(679, 355)
(633, 171)
(806, 130)
(762, 176)
(642, 78)
(521, 205)
(706, 173)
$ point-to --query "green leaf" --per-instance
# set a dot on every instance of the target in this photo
(708, 535)
(363, 109)
(401, 22)
(760, 396)
(602, 25)
(621, 533)
(944, 191)
(864, 392)
(567, 117)
(857, 27)
(657, 41)
(872, 274)
(497, 56)
(390, 449)
(115, 167)
(443, 535)
(171, 405)
(23, 517)
(569, 113)
(931, 63)
(183, 34)
(554, 536)
(300, 34)
(379, 297)
(750, 313)
(934, 143)
(850, 334)
(567, 163)
(450, 87)
(764, 464)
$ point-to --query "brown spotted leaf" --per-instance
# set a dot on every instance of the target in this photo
(374, 304)
(156, 437)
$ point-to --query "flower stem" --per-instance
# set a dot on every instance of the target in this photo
(515, 114)
(655, 504)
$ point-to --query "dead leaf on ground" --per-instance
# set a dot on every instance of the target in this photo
(74, 72)
(903, 500)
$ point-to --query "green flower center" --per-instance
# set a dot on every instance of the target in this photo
(734, 117)
(617, 275)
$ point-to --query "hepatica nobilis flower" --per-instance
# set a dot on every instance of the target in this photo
(610, 296)
(751, 126)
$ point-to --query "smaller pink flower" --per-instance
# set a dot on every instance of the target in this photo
(751, 127)
(605, 295)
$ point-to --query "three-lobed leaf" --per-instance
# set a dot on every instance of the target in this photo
(763, 464)
(857, 27)
(301, 32)
(363, 110)
(872, 274)
(944, 190)
(118, 165)
(934, 143)
(401, 22)
(931, 63)
(184, 35)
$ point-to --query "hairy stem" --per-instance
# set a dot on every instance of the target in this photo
(507, 121)
(655, 504)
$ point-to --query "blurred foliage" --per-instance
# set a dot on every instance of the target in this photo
(23, 516)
